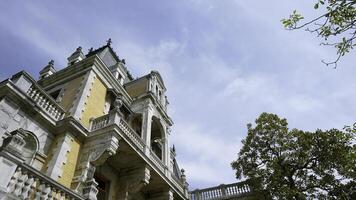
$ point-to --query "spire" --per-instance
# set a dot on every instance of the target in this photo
(76, 56)
(47, 70)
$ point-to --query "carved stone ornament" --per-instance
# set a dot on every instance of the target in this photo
(142, 179)
(90, 191)
(101, 151)
(15, 142)
(118, 102)
(95, 152)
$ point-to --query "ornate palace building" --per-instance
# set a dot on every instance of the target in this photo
(88, 131)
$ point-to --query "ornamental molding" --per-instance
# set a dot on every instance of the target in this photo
(101, 147)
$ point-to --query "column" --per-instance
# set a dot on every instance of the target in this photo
(146, 127)
(60, 148)
(10, 158)
(166, 151)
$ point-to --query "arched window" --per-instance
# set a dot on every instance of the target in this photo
(136, 123)
(31, 147)
(30, 144)
(157, 137)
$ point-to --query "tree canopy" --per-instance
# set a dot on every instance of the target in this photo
(296, 164)
(337, 25)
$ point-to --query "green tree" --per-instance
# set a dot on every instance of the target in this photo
(295, 164)
(337, 25)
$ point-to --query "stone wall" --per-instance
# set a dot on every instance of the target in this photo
(12, 117)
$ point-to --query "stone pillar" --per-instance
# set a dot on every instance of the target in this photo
(167, 151)
(60, 149)
(10, 158)
(146, 127)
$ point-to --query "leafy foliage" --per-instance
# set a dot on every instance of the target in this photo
(336, 26)
(295, 164)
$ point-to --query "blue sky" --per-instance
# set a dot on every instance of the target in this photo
(224, 62)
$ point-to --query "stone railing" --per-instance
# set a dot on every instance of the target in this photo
(221, 192)
(177, 182)
(46, 102)
(132, 134)
(112, 118)
(158, 162)
(100, 122)
(28, 183)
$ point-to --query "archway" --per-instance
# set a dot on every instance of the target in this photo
(157, 137)
(136, 124)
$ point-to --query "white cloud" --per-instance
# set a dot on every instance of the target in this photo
(207, 154)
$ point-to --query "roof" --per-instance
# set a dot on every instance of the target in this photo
(113, 53)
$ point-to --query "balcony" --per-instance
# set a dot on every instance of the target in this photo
(231, 191)
(44, 101)
(28, 183)
(115, 118)
(19, 180)
(113, 122)
(25, 86)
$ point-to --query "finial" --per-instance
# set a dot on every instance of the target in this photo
(183, 171)
(108, 42)
(79, 48)
(174, 148)
(51, 62)
(123, 61)
(91, 49)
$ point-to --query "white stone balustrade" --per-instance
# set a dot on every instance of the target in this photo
(28, 183)
(115, 118)
(100, 122)
(47, 103)
(131, 134)
(157, 161)
(178, 183)
(221, 192)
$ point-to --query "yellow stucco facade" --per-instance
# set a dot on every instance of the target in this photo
(51, 151)
(70, 91)
(95, 103)
(68, 168)
(93, 107)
